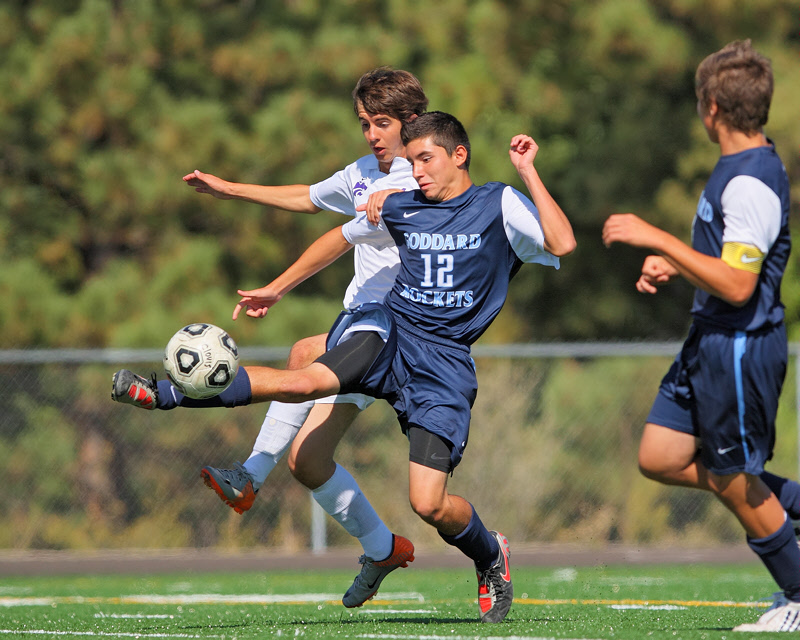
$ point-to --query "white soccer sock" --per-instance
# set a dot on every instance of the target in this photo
(280, 426)
(342, 498)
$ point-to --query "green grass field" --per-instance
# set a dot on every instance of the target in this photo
(659, 602)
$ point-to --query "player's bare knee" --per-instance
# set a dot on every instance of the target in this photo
(305, 351)
(648, 466)
(302, 472)
(430, 511)
(309, 470)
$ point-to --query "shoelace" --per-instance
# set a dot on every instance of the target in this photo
(364, 559)
(778, 600)
(237, 473)
(154, 385)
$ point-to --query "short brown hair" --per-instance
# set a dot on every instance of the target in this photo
(442, 128)
(393, 92)
(739, 80)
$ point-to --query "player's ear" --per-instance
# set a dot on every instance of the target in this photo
(460, 155)
(412, 117)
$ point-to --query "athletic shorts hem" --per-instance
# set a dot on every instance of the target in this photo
(361, 400)
(669, 414)
(729, 471)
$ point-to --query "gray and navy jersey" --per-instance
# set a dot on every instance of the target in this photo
(743, 218)
(457, 257)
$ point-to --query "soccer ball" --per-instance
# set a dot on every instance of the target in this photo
(201, 360)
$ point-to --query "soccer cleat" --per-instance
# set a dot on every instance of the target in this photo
(495, 591)
(783, 615)
(233, 486)
(128, 388)
(372, 573)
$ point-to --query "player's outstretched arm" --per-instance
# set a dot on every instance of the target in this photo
(558, 236)
(294, 197)
(325, 250)
(734, 286)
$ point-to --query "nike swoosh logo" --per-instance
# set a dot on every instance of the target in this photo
(435, 457)
(722, 451)
(408, 215)
(507, 575)
(503, 550)
(749, 259)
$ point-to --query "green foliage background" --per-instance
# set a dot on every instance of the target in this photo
(105, 105)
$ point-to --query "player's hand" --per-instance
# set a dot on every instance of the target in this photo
(656, 271)
(374, 205)
(206, 183)
(628, 228)
(522, 151)
(256, 303)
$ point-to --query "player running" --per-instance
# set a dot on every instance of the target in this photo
(722, 390)
(383, 99)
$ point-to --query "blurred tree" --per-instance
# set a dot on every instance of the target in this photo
(104, 106)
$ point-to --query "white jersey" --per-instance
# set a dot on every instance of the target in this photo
(375, 266)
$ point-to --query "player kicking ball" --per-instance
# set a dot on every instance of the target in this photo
(459, 246)
(723, 388)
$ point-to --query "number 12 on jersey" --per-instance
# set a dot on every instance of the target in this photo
(444, 276)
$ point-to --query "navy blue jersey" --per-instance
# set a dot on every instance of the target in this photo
(745, 201)
(456, 258)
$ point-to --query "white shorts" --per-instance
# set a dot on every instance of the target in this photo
(358, 399)
(297, 413)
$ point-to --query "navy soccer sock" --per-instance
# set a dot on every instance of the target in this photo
(787, 491)
(236, 395)
(781, 555)
(476, 543)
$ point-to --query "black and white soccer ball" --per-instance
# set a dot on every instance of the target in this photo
(201, 360)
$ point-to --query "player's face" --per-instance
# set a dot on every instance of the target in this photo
(439, 175)
(382, 133)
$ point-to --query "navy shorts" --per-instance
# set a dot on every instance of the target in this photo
(724, 388)
(429, 381)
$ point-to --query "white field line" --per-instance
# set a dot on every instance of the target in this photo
(102, 634)
(136, 616)
(382, 611)
(202, 598)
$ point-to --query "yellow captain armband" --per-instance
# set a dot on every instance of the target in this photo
(742, 256)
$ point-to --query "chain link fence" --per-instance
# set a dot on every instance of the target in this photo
(551, 458)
